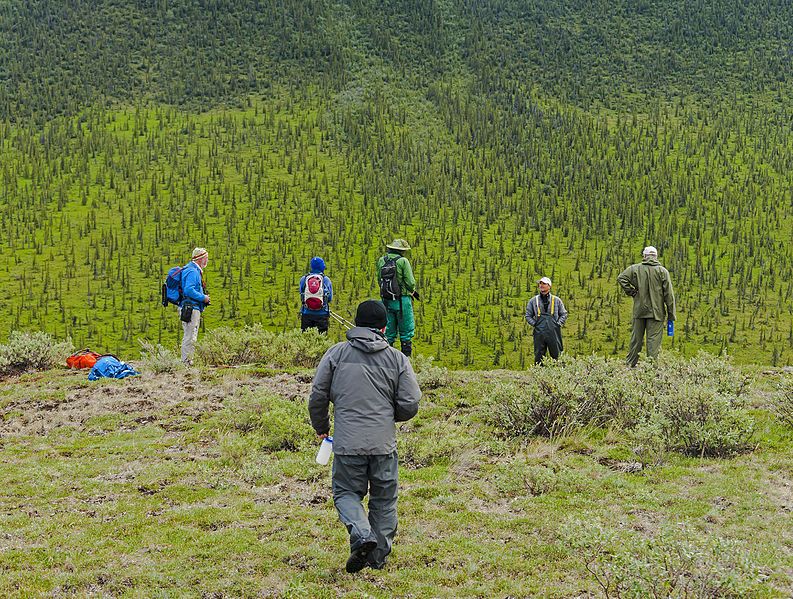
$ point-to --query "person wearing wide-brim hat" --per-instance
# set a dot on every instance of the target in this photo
(398, 289)
(547, 314)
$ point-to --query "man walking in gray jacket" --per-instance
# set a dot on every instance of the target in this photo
(372, 386)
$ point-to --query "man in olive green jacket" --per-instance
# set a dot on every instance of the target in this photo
(649, 285)
(397, 289)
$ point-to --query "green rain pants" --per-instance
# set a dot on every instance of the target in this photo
(655, 332)
(400, 319)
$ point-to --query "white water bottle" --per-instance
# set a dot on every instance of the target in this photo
(323, 455)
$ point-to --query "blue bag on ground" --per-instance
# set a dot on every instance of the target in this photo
(110, 367)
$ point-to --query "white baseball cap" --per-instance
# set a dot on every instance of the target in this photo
(545, 280)
(649, 250)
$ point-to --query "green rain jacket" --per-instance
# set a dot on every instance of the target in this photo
(651, 288)
(405, 278)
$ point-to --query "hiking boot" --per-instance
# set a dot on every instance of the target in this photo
(407, 348)
(358, 557)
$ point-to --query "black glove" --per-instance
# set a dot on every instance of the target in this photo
(415, 295)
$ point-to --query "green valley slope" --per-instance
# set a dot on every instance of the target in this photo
(505, 141)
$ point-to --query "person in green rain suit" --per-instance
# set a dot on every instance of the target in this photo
(398, 289)
(650, 286)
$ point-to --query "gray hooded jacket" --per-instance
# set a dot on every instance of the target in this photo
(371, 385)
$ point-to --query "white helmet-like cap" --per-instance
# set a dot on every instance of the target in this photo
(545, 280)
(649, 251)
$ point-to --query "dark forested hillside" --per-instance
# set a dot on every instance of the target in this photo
(56, 57)
(504, 139)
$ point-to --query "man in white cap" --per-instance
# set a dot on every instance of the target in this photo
(650, 286)
(546, 313)
(194, 300)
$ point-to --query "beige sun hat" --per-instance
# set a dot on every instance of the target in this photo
(398, 244)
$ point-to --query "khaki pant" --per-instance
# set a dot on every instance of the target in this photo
(190, 336)
(654, 330)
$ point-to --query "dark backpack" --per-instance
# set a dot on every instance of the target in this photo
(389, 285)
(172, 288)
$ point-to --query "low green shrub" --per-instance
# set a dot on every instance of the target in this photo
(693, 406)
(567, 394)
(270, 422)
(783, 402)
(158, 359)
(254, 345)
(697, 420)
(428, 374)
(673, 563)
(32, 351)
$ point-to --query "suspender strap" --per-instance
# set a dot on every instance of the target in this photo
(553, 302)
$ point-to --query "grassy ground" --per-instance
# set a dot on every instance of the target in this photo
(202, 483)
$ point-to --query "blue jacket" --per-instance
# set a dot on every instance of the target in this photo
(328, 295)
(192, 287)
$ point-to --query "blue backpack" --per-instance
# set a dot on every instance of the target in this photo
(112, 368)
(172, 288)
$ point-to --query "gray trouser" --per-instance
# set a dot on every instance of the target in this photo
(190, 336)
(353, 477)
(655, 332)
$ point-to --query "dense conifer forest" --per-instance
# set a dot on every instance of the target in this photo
(505, 140)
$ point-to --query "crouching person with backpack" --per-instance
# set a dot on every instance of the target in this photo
(316, 292)
(194, 300)
(398, 288)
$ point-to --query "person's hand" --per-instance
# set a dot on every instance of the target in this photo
(322, 436)
(206, 300)
(415, 295)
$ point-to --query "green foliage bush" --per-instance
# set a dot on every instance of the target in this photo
(690, 406)
(697, 420)
(428, 374)
(783, 403)
(32, 351)
(565, 394)
(267, 423)
(254, 345)
(158, 359)
(673, 563)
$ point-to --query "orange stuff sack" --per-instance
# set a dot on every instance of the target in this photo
(85, 358)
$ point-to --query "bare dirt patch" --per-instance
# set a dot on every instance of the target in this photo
(172, 401)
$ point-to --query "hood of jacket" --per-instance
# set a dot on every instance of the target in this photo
(367, 340)
(651, 262)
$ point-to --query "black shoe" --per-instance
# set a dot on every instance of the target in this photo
(375, 565)
(358, 557)
(407, 348)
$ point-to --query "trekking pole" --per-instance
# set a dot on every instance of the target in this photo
(341, 320)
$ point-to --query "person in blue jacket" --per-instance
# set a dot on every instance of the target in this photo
(315, 309)
(195, 299)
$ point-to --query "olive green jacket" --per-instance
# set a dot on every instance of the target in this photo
(405, 278)
(651, 288)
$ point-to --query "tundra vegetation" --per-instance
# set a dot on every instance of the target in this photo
(578, 478)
